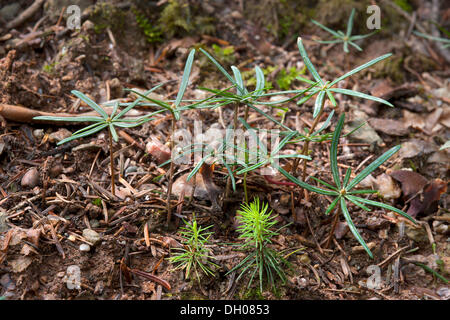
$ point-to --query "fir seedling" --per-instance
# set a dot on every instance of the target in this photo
(446, 42)
(341, 37)
(344, 190)
(323, 90)
(250, 99)
(102, 121)
(256, 223)
(194, 256)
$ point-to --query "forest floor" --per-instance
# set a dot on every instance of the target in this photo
(50, 195)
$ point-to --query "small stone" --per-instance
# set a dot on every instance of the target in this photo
(236, 15)
(387, 187)
(84, 247)
(94, 223)
(38, 133)
(444, 293)
(59, 135)
(302, 282)
(87, 26)
(30, 179)
(91, 236)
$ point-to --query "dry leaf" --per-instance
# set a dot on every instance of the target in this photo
(20, 264)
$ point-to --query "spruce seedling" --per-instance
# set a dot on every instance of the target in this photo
(341, 37)
(194, 256)
(256, 223)
(102, 121)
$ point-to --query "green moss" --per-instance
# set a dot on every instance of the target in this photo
(191, 296)
(97, 202)
(224, 54)
(286, 77)
(249, 294)
(391, 68)
(404, 5)
(153, 33)
(106, 15)
(49, 67)
(180, 17)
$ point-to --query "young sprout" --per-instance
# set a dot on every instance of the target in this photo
(194, 256)
(256, 223)
(102, 121)
(341, 37)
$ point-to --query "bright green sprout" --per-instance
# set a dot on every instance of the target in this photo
(345, 38)
(256, 223)
(194, 256)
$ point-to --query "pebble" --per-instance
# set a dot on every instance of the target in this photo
(84, 247)
(387, 187)
(30, 179)
(91, 236)
(38, 133)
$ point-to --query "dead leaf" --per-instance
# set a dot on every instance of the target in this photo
(423, 197)
(205, 188)
(386, 91)
(33, 235)
(27, 249)
(411, 182)
(20, 264)
(413, 120)
(445, 117)
(414, 148)
(389, 126)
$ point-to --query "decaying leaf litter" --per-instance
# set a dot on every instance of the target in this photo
(58, 209)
